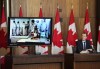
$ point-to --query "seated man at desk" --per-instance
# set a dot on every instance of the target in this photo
(83, 46)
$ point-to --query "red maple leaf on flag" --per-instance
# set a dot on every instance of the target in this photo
(61, 52)
(43, 46)
(71, 38)
(57, 39)
(3, 40)
(46, 52)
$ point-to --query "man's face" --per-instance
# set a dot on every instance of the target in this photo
(84, 36)
(32, 23)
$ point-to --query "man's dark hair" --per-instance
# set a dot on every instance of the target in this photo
(32, 21)
(13, 21)
(18, 22)
(27, 21)
(84, 33)
(23, 22)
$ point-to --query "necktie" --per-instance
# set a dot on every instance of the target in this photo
(84, 45)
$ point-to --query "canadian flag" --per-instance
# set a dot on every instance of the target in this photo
(3, 30)
(41, 49)
(20, 12)
(40, 12)
(98, 42)
(72, 35)
(20, 50)
(87, 27)
(57, 41)
(2, 62)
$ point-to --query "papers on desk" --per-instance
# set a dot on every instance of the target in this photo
(87, 51)
(84, 52)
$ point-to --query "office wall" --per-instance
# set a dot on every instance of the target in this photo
(31, 8)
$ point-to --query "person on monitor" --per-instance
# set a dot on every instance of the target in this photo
(43, 28)
(23, 29)
(14, 28)
(33, 30)
(32, 26)
(18, 29)
(27, 27)
(83, 46)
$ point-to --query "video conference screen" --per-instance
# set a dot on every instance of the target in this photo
(29, 31)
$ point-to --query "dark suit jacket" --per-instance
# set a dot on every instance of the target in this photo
(79, 44)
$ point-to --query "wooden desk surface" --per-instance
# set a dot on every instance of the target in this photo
(82, 61)
(84, 57)
(38, 59)
(87, 57)
(35, 61)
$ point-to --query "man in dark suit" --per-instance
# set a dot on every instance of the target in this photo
(83, 46)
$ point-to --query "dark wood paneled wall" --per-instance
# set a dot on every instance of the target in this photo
(31, 8)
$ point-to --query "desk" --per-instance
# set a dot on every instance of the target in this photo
(82, 61)
(38, 62)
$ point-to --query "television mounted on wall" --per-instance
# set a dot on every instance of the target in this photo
(29, 31)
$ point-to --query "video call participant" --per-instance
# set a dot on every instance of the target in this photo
(14, 29)
(18, 29)
(27, 27)
(83, 46)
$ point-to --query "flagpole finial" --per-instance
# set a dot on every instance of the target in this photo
(3, 3)
(20, 5)
(72, 6)
(40, 4)
(87, 5)
(57, 6)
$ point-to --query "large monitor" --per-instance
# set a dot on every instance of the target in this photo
(29, 31)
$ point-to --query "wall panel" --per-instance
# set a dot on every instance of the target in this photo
(15, 6)
(75, 4)
(91, 7)
(31, 8)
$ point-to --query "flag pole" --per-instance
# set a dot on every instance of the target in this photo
(7, 15)
(7, 8)
(87, 5)
(71, 5)
(40, 4)
(57, 5)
